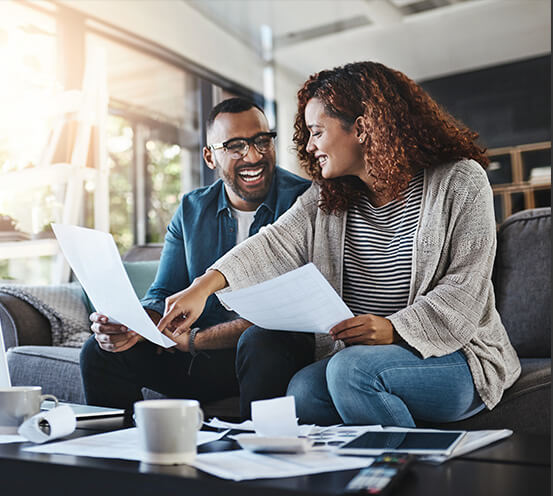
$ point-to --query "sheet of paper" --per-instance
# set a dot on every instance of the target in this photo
(123, 444)
(275, 417)
(94, 258)
(329, 438)
(11, 438)
(243, 465)
(247, 425)
(472, 441)
(301, 300)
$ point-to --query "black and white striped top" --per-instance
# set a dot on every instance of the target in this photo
(378, 252)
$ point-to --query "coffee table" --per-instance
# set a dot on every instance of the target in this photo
(518, 465)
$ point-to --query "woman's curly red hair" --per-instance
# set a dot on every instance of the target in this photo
(407, 130)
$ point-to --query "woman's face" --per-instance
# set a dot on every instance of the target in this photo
(338, 151)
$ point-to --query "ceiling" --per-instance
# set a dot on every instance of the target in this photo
(423, 38)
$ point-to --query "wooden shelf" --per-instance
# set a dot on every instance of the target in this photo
(509, 174)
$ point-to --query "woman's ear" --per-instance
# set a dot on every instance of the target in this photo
(360, 129)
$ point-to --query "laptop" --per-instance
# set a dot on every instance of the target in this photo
(85, 412)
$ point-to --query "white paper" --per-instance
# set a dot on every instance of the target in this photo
(275, 417)
(247, 425)
(61, 421)
(11, 438)
(333, 437)
(473, 440)
(243, 465)
(94, 258)
(123, 444)
(301, 300)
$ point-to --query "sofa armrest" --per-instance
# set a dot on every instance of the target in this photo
(22, 324)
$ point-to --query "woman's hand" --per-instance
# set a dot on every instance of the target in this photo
(365, 329)
(185, 307)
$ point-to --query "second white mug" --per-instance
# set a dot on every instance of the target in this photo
(167, 430)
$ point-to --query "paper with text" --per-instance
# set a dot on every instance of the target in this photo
(94, 258)
(123, 444)
(244, 465)
(301, 300)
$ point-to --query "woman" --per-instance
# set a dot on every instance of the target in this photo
(400, 221)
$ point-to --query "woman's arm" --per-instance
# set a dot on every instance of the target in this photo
(185, 307)
(447, 316)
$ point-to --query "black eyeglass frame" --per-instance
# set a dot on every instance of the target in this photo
(250, 141)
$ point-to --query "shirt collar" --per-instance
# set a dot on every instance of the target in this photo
(269, 202)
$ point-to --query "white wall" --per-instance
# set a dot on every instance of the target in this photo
(180, 28)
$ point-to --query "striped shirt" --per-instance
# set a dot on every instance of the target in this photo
(378, 252)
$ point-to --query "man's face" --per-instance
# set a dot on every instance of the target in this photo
(247, 179)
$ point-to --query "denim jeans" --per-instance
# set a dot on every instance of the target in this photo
(387, 385)
(116, 379)
(267, 360)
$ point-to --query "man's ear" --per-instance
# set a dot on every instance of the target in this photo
(360, 129)
(209, 158)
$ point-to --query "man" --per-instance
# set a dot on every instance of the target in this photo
(116, 362)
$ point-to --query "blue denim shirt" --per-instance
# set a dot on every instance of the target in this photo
(203, 230)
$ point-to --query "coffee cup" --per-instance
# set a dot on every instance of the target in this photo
(167, 430)
(18, 403)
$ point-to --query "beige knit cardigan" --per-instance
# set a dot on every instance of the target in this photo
(451, 302)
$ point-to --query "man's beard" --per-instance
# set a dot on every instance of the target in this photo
(233, 181)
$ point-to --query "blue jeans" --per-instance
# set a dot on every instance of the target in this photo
(387, 385)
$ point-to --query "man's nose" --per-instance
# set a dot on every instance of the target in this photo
(253, 155)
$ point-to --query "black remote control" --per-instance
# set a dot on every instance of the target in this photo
(384, 473)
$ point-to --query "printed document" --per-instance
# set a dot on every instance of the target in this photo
(301, 300)
(123, 444)
(94, 258)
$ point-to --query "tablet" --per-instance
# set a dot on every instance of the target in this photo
(407, 441)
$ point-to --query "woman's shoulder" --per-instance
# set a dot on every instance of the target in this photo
(459, 175)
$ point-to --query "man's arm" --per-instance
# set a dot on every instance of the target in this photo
(224, 335)
(217, 337)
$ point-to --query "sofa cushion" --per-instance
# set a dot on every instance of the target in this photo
(522, 281)
(55, 368)
(525, 407)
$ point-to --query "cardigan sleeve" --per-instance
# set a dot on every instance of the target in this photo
(276, 249)
(449, 314)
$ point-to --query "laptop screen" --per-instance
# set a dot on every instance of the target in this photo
(4, 372)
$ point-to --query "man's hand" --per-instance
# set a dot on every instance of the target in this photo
(365, 329)
(112, 337)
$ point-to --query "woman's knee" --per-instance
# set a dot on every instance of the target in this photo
(351, 366)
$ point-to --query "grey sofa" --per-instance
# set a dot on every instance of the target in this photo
(522, 279)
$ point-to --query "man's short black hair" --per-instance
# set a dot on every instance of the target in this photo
(232, 106)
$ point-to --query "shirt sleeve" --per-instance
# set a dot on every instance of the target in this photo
(448, 316)
(172, 274)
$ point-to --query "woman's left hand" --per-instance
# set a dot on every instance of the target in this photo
(364, 329)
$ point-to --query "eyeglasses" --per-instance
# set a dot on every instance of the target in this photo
(239, 147)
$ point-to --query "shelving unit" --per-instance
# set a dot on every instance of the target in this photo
(515, 184)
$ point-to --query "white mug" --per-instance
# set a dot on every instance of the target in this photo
(167, 430)
(18, 403)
